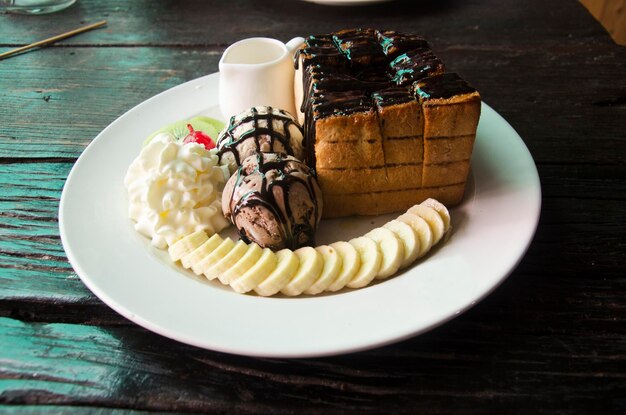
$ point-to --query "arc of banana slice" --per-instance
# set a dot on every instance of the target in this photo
(310, 269)
(350, 264)
(332, 267)
(371, 259)
(441, 210)
(392, 251)
(190, 260)
(424, 233)
(378, 254)
(246, 262)
(214, 257)
(409, 238)
(224, 264)
(432, 217)
(286, 268)
(257, 273)
(186, 245)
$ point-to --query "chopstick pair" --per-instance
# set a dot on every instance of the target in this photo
(53, 39)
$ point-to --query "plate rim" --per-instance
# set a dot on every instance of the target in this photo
(329, 351)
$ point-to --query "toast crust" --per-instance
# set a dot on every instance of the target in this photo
(376, 203)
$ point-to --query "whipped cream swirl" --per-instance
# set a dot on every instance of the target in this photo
(175, 189)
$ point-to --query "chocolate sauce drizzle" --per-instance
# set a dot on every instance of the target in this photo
(229, 143)
(441, 86)
(282, 171)
(356, 70)
(415, 65)
(396, 43)
(320, 50)
(359, 46)
(392, 96)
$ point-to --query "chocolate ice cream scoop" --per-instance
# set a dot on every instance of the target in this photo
(274, 200)
(263, 129)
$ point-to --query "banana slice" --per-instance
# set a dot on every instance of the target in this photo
(222, 265)
(391, 248)
(350, 264)
(310, 269)
(247, 261)
(213, 258)
(424, 234)
(441, 209)
(186, 245)
(286, 268)
(409, 239)
(257, 273)
(371, 258)
(332, 267)
(431, 217)
(192, 259)
(378, 254)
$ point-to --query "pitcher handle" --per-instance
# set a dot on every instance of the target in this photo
(294, 44)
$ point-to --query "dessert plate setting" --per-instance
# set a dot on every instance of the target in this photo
(491, 230)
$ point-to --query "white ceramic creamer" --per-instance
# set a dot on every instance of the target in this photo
(257, 71)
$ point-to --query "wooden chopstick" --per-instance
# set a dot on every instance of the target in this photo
(53, 39)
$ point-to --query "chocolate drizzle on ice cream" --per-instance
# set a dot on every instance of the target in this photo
(259, 129)
(274, 200)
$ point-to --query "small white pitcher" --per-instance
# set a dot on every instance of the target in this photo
(257, 71)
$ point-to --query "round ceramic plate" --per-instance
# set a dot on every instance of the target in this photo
(492, 229)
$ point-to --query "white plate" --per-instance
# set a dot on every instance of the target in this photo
(492, 229)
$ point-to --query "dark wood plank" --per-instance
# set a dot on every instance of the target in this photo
(462, 367)
(56, 409)
(32, 259)
(210, 23)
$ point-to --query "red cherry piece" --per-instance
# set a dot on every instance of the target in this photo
(199, 137)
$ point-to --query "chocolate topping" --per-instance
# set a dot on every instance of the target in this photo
(396, 43)
(352, 70)
(359, 46)
(392, 96)
(274, 200)
(441, 86)
(262, 136)
(330, 103)
(320, 50)
(414, 65)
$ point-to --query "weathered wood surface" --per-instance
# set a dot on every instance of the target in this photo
(211, 22)
(551, 339)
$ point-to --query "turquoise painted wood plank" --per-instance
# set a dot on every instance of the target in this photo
(56, 103)
(72, 346)
(71, 364)
(127, 367)
(32, 260)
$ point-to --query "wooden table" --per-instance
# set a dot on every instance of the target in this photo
(551, 339)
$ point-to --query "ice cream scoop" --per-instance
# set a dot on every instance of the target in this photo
(274, 200)
(263, 129)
